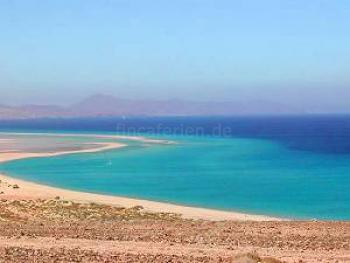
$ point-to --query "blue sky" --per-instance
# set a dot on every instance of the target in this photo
(59, 51)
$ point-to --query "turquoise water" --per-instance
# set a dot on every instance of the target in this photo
(248, 175)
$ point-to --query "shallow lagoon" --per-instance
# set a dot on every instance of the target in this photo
(248, 175)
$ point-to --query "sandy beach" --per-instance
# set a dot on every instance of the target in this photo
(30, 191)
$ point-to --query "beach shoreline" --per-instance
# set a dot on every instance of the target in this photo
(29, 190)
(46, 224)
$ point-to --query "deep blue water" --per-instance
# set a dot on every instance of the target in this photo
(315, 133)
(286, 166)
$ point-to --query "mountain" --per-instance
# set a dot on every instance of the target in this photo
(104, 105)
(32, 111)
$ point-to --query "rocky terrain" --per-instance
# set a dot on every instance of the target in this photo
(63, 231)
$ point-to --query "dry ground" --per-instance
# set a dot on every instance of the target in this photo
(63, 231)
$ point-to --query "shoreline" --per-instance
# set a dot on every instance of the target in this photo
(92, 135)
(11, 156)
(29, 190)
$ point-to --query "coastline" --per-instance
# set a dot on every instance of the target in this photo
(28, 190)
(11, 156)
(36, 225)
(99, 136)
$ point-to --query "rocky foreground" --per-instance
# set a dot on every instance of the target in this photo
(63, 231)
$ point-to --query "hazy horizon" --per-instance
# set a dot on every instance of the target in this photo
(295, 53)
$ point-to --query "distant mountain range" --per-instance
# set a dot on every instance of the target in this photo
(108, 106)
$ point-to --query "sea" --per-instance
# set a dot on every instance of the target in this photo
(295, 167)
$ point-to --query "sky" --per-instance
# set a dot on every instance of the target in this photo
(295, 52)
